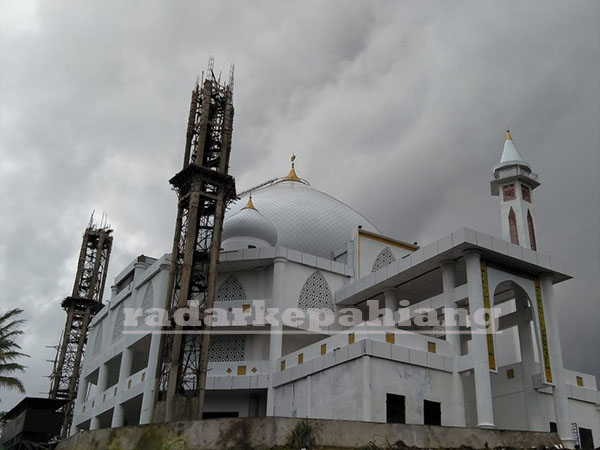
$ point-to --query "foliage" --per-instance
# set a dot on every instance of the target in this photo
(302, 436)
(10, 324)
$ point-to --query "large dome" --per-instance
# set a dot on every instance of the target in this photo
(305, 218)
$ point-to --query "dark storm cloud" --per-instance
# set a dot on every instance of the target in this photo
(396, 108)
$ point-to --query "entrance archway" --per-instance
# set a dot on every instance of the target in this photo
(518, 312)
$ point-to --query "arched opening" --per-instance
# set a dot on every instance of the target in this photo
(516, 313)
(512, 226)
(517, 356)
(531, 231)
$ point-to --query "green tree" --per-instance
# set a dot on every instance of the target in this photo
(10, 329)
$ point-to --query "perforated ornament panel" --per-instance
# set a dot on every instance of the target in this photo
(230, 289)
(316, 293)
(385, 258)
(230, 347)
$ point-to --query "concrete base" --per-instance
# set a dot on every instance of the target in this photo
(267, 432)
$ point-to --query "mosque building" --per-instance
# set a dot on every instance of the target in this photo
(289, 246)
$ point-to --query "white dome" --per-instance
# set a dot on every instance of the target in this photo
(305, 219)
(248, 225)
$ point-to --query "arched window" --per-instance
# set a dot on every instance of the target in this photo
(316, 293)
(119, 323)
(385, 258)
(148, 300)
(98, 341)
(230, 289)
(227, 347)
(512, 226)
(531, 231)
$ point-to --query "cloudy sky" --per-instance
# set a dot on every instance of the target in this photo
(396, 108)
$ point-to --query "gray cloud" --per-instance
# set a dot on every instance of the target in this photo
(396, 108)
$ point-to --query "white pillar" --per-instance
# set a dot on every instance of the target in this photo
(102, 377)
(528, 368)
(366, 389)
(79, 401)
(276, 335)
(149, 382)
(309, 397)
(140, 267)
(390, 296)
(118, 417)
(94, 423)
(560, 394)
(479, 348)
(390, 301)
(453, 338)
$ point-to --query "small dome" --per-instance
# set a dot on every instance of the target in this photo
(248, 227)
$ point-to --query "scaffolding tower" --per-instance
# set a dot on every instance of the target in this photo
(203, 188)
(85, 301)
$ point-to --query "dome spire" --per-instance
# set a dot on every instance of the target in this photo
(249, 205)
(291, 176)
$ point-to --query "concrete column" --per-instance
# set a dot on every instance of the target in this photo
(366, 389)
(124, 372)
(560, 393)
(140, 267)
(528, 368)
(308, 396)
(118, 417)
(453, 338)
(125, 369)
(94, 423)
(390, 301)
(150, 371)
(276, 335)
(102, 377)
(479, 348)
(79, 401)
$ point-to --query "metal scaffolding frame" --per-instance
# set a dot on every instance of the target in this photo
(203, 188)
(85, 301)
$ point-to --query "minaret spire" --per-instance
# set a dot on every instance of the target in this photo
(513, 178)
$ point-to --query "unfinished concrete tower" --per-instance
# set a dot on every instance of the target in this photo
(203, 188)
(85, 301)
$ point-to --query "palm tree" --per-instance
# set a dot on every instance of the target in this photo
(9, 350)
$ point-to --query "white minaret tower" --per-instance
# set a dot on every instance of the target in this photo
(513, 182)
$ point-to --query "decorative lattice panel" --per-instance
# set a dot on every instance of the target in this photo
(230, 347)
(385, 258)
(119, 323)
(148, 301)
(316, 293)
(98, 341)
(230, 289)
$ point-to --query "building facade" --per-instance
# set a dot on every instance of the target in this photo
(364, 329)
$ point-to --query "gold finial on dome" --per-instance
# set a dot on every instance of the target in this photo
(508, 136)
(291, 176)
(249, 205)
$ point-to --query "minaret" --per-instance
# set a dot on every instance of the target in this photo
(204, 187)
(85, 301)
(513, 182)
